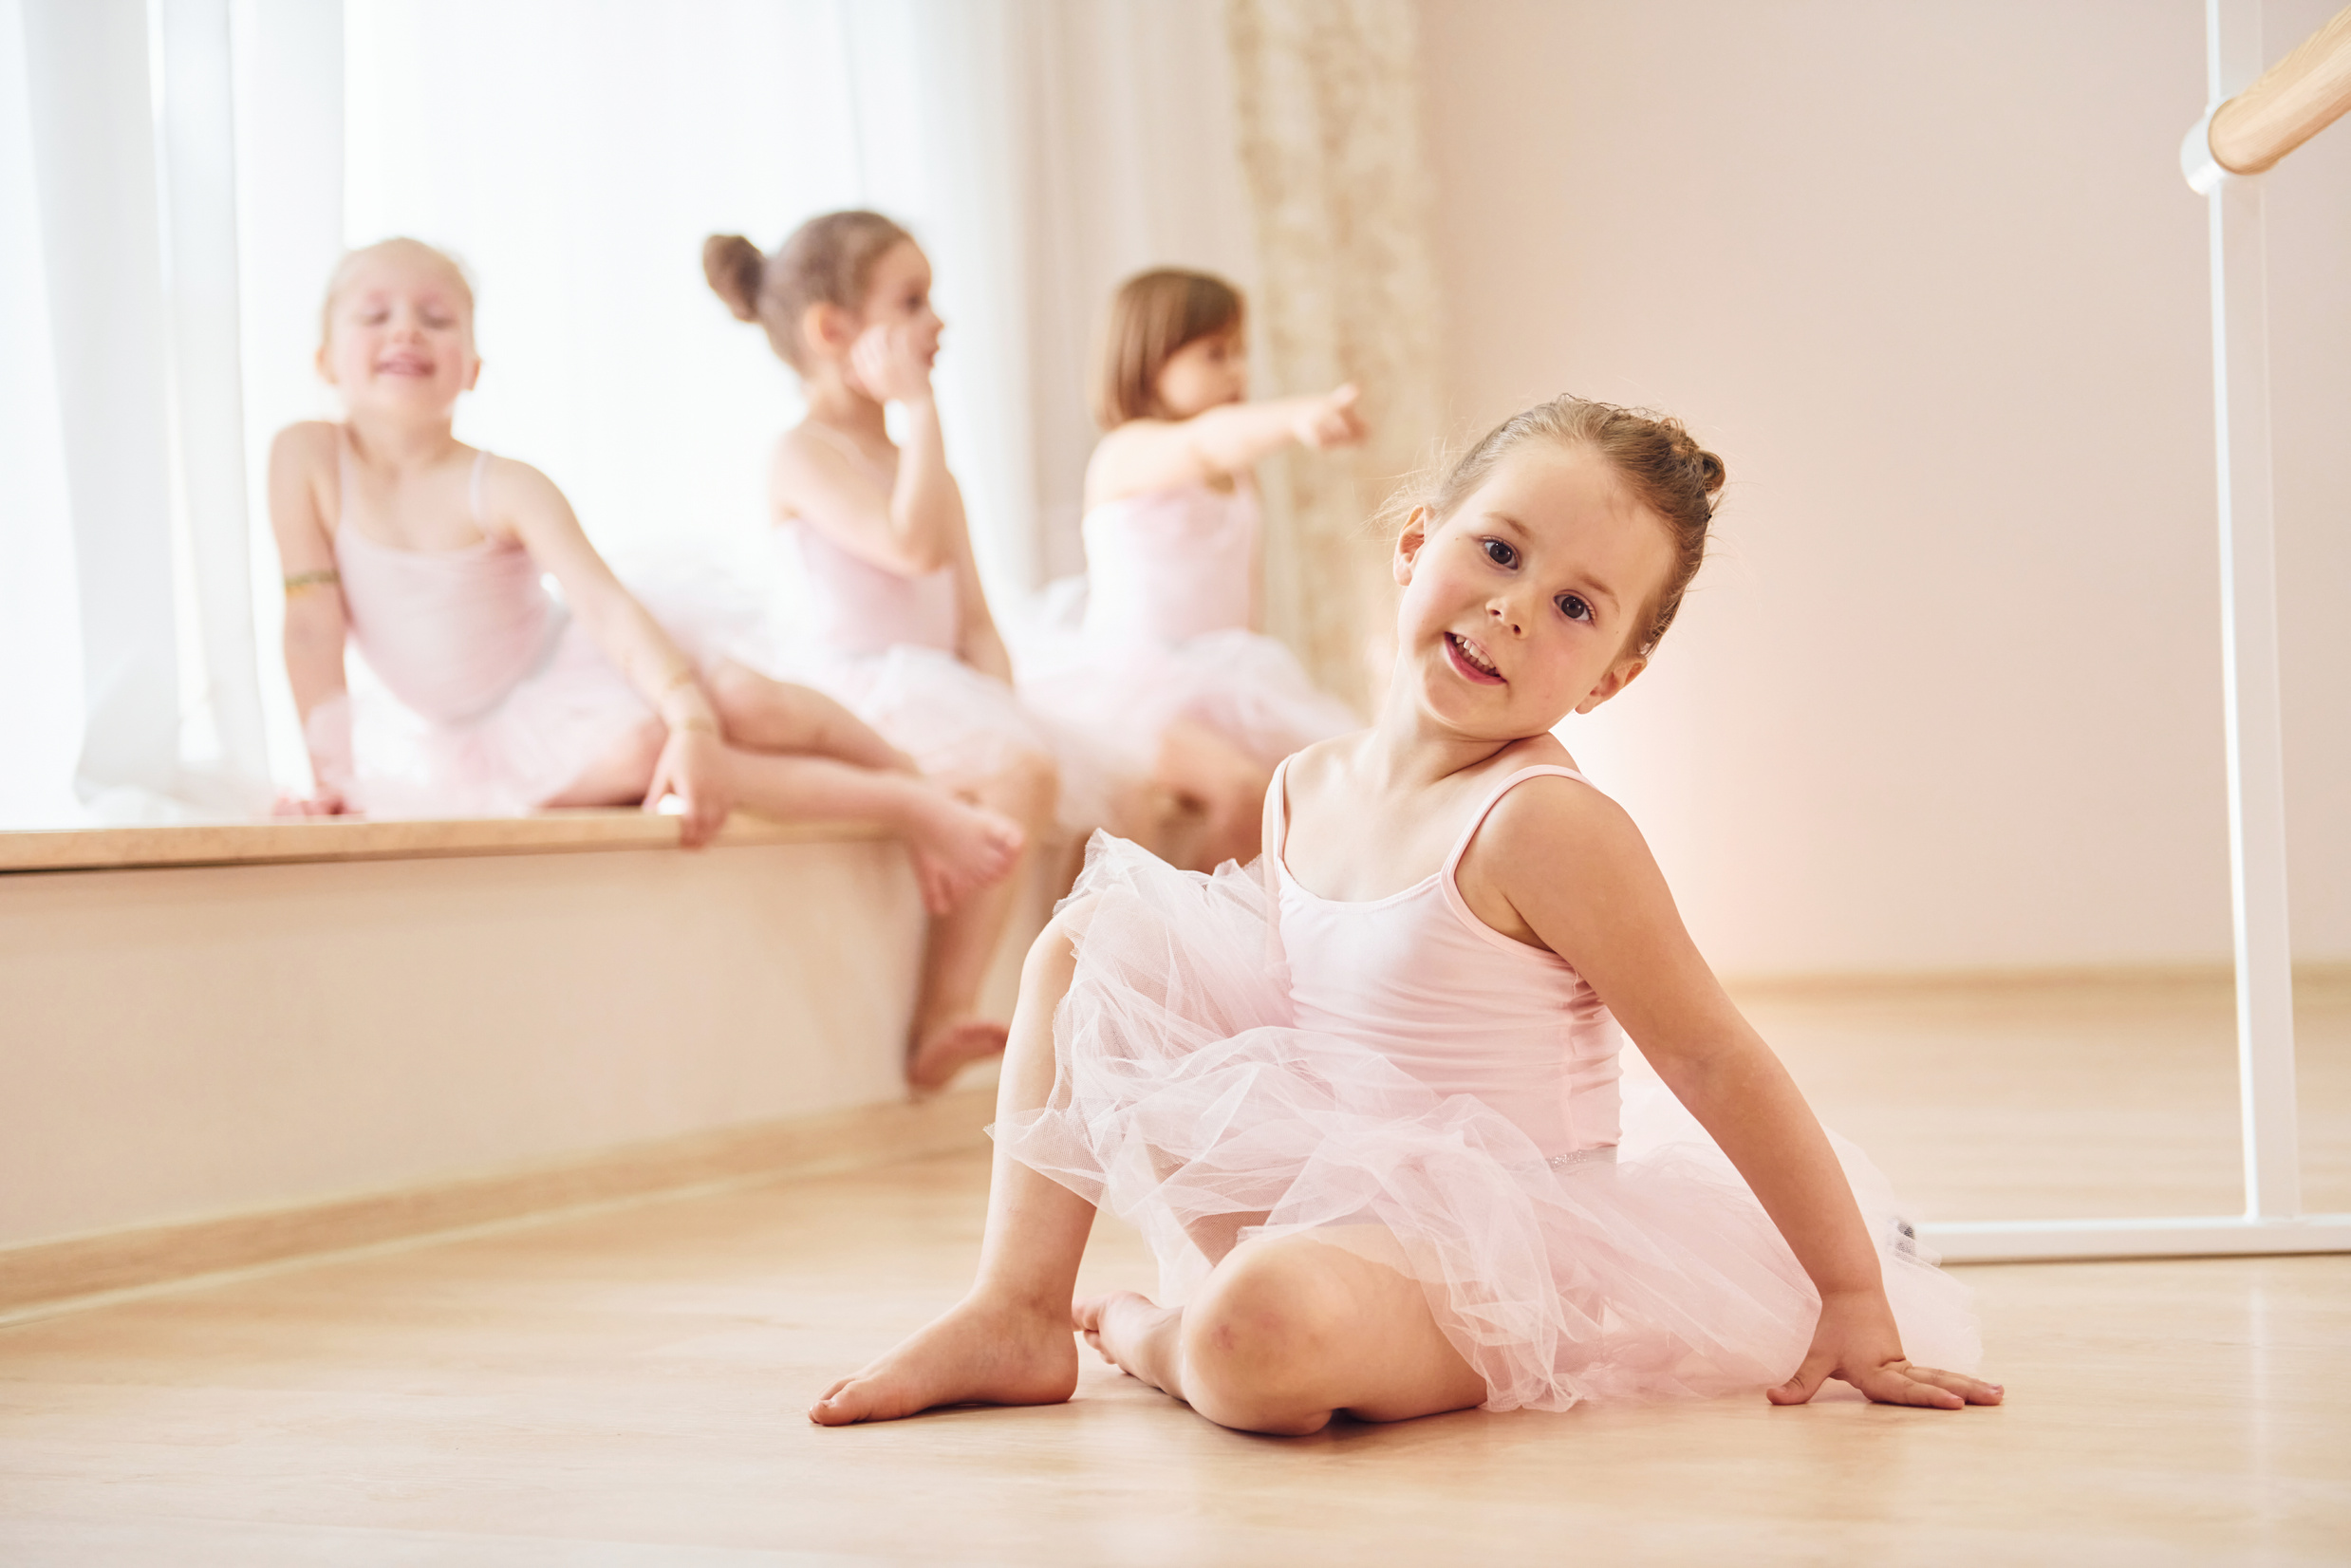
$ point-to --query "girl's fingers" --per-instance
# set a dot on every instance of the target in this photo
(1896, 1386)
(1974, 1390)
(1806, 1382)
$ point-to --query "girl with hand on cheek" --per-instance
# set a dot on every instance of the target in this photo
(901, 633)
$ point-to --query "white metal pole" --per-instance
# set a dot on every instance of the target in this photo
(2256, 756)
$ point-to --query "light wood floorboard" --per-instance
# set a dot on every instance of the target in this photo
(624, 1387)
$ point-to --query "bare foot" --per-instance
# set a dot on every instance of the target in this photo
(946, 1050)
(1125, 1328)
(958, 846)
(977, 1355)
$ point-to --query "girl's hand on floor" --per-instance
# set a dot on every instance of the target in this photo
(1330, 420)
(886, 362)
(1857, 1342)
(693, 766)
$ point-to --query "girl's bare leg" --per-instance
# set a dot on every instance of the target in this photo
(962, 852)
(1287, 1333)
(800, 756)
(948, 1033)
(1199, 765)
(761, 715)
(1008, 1341)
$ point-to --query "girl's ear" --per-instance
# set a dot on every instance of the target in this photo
(826, 327)
(1410, 544)
(325, 366)
(1619, 676)
(472, 377)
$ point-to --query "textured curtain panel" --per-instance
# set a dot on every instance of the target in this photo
(1329, 138)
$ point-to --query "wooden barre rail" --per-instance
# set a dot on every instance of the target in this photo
(2292, 101)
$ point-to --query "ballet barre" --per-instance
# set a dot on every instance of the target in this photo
(2257, 119)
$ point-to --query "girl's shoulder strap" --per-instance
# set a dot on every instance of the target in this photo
(1277, 828)
(1269, 859)
(1493, 798)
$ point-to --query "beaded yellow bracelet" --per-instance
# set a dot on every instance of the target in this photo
(324, 577)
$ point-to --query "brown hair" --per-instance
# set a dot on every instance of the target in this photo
(398, 245)
(1658, 459)
(829, 260)
(1152, 316)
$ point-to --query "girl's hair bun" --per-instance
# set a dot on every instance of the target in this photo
(736, 269)
(1704, 466)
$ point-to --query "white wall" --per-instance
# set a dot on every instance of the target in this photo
(1948, 696)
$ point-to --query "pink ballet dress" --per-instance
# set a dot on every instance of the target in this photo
(883, 643)
(1165, 636)
(493, 698)
(1239, 1056)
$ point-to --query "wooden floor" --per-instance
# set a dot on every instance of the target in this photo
(623, 1388)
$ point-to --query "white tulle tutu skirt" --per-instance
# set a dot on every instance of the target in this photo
(1122, 695)
(1186, 1103)
(573, 711)
(960, 726)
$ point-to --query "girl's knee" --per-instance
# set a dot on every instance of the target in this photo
(749, 701)
(1025, 788)
(1260, 1339)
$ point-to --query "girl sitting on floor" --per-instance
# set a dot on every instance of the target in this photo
(1365, 1101)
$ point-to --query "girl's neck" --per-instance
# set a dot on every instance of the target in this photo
(831, 401)
(397, 444)
(1407, 749)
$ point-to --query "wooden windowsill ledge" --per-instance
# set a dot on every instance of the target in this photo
(280, 843)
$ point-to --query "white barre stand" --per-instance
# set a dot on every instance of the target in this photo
(2272, 1221)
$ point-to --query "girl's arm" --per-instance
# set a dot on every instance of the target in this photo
(1144, 455)
(978, 645)
(300, 458)
(910, 526)
(693, 763)
(1615, 921)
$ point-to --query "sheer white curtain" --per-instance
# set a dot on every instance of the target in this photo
(127, 525)
(165, 252)
(576, 155)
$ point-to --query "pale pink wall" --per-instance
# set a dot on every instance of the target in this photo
(1928, 278)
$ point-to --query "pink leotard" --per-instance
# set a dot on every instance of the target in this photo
(1170, 565)
(1461, 1007)
(450, 631)
(861, 608)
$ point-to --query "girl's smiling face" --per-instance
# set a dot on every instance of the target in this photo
(1205, 373)
(401, 336)
(1532, 600)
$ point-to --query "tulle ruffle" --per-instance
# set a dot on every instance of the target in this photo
(1187, 1102)
(571, 711)
(1123, 696)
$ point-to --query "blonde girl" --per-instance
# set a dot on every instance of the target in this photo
(428, 556)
